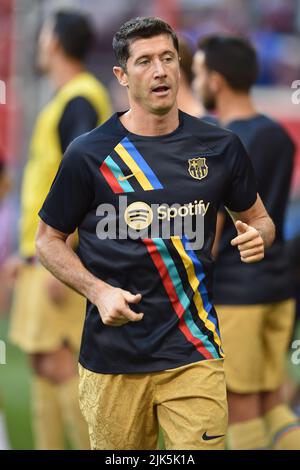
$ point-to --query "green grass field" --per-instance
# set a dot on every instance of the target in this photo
(293, 369)
(15, 394)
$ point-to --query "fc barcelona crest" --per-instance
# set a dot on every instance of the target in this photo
(198, 168)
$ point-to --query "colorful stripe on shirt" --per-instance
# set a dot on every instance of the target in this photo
(112, 173)
(138, 166)
(196, 275)
(178, 298)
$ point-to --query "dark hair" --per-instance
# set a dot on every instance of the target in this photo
(136, 28)
(186, 59)
(234, 58)
(74, 32)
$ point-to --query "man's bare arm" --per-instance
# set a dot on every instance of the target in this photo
(59, 258)
(256, 231)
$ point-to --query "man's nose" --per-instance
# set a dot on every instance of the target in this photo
(159, 70)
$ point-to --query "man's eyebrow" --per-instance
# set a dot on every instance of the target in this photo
(144, 56)
(168, 52)
(147, 55)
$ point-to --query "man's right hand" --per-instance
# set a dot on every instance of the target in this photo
(113, 305)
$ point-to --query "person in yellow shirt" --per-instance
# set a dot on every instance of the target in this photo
(5, 185)
(47, 316)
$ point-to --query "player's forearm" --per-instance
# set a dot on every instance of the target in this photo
(258, 218)
(65, 265)
(265, 226)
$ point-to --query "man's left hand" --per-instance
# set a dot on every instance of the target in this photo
(249, 242)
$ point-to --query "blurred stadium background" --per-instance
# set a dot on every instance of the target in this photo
(274, 28)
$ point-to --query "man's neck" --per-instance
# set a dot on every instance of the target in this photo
(139, 121)
(64, 71)
(187, 102)
(233, 106)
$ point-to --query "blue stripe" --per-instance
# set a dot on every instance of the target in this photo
(201, 276)
(285, 429)
(132, 150)
(116, 170)
(184, 300)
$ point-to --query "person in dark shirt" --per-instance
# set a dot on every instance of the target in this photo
(254, 302)
(144, 189)
(79, 116)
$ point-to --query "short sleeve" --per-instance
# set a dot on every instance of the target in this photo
(79, 116)
(241, 189)
(71, 193)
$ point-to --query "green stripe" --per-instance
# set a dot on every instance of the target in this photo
(183, 298)
(116, 170)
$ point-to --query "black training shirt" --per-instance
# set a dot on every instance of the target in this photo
(271, 152)
(112, 182)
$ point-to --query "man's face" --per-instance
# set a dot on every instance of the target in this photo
(152, 73)
(202, 82)
(46, 47)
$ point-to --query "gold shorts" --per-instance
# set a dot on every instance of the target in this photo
(255, 339)
(37, 324)
(124, 411)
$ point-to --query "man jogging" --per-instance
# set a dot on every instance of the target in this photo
(151, 349)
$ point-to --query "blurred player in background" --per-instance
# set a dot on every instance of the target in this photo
(186, 99)
(254, 302)
(47, 316)
(5, 185)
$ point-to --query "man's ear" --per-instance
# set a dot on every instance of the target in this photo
(216, 82)
(121, 75)
(55, 47)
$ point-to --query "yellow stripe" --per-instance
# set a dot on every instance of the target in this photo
(140, 176)
(194, 283)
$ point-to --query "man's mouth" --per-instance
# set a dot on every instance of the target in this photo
(161, 90)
